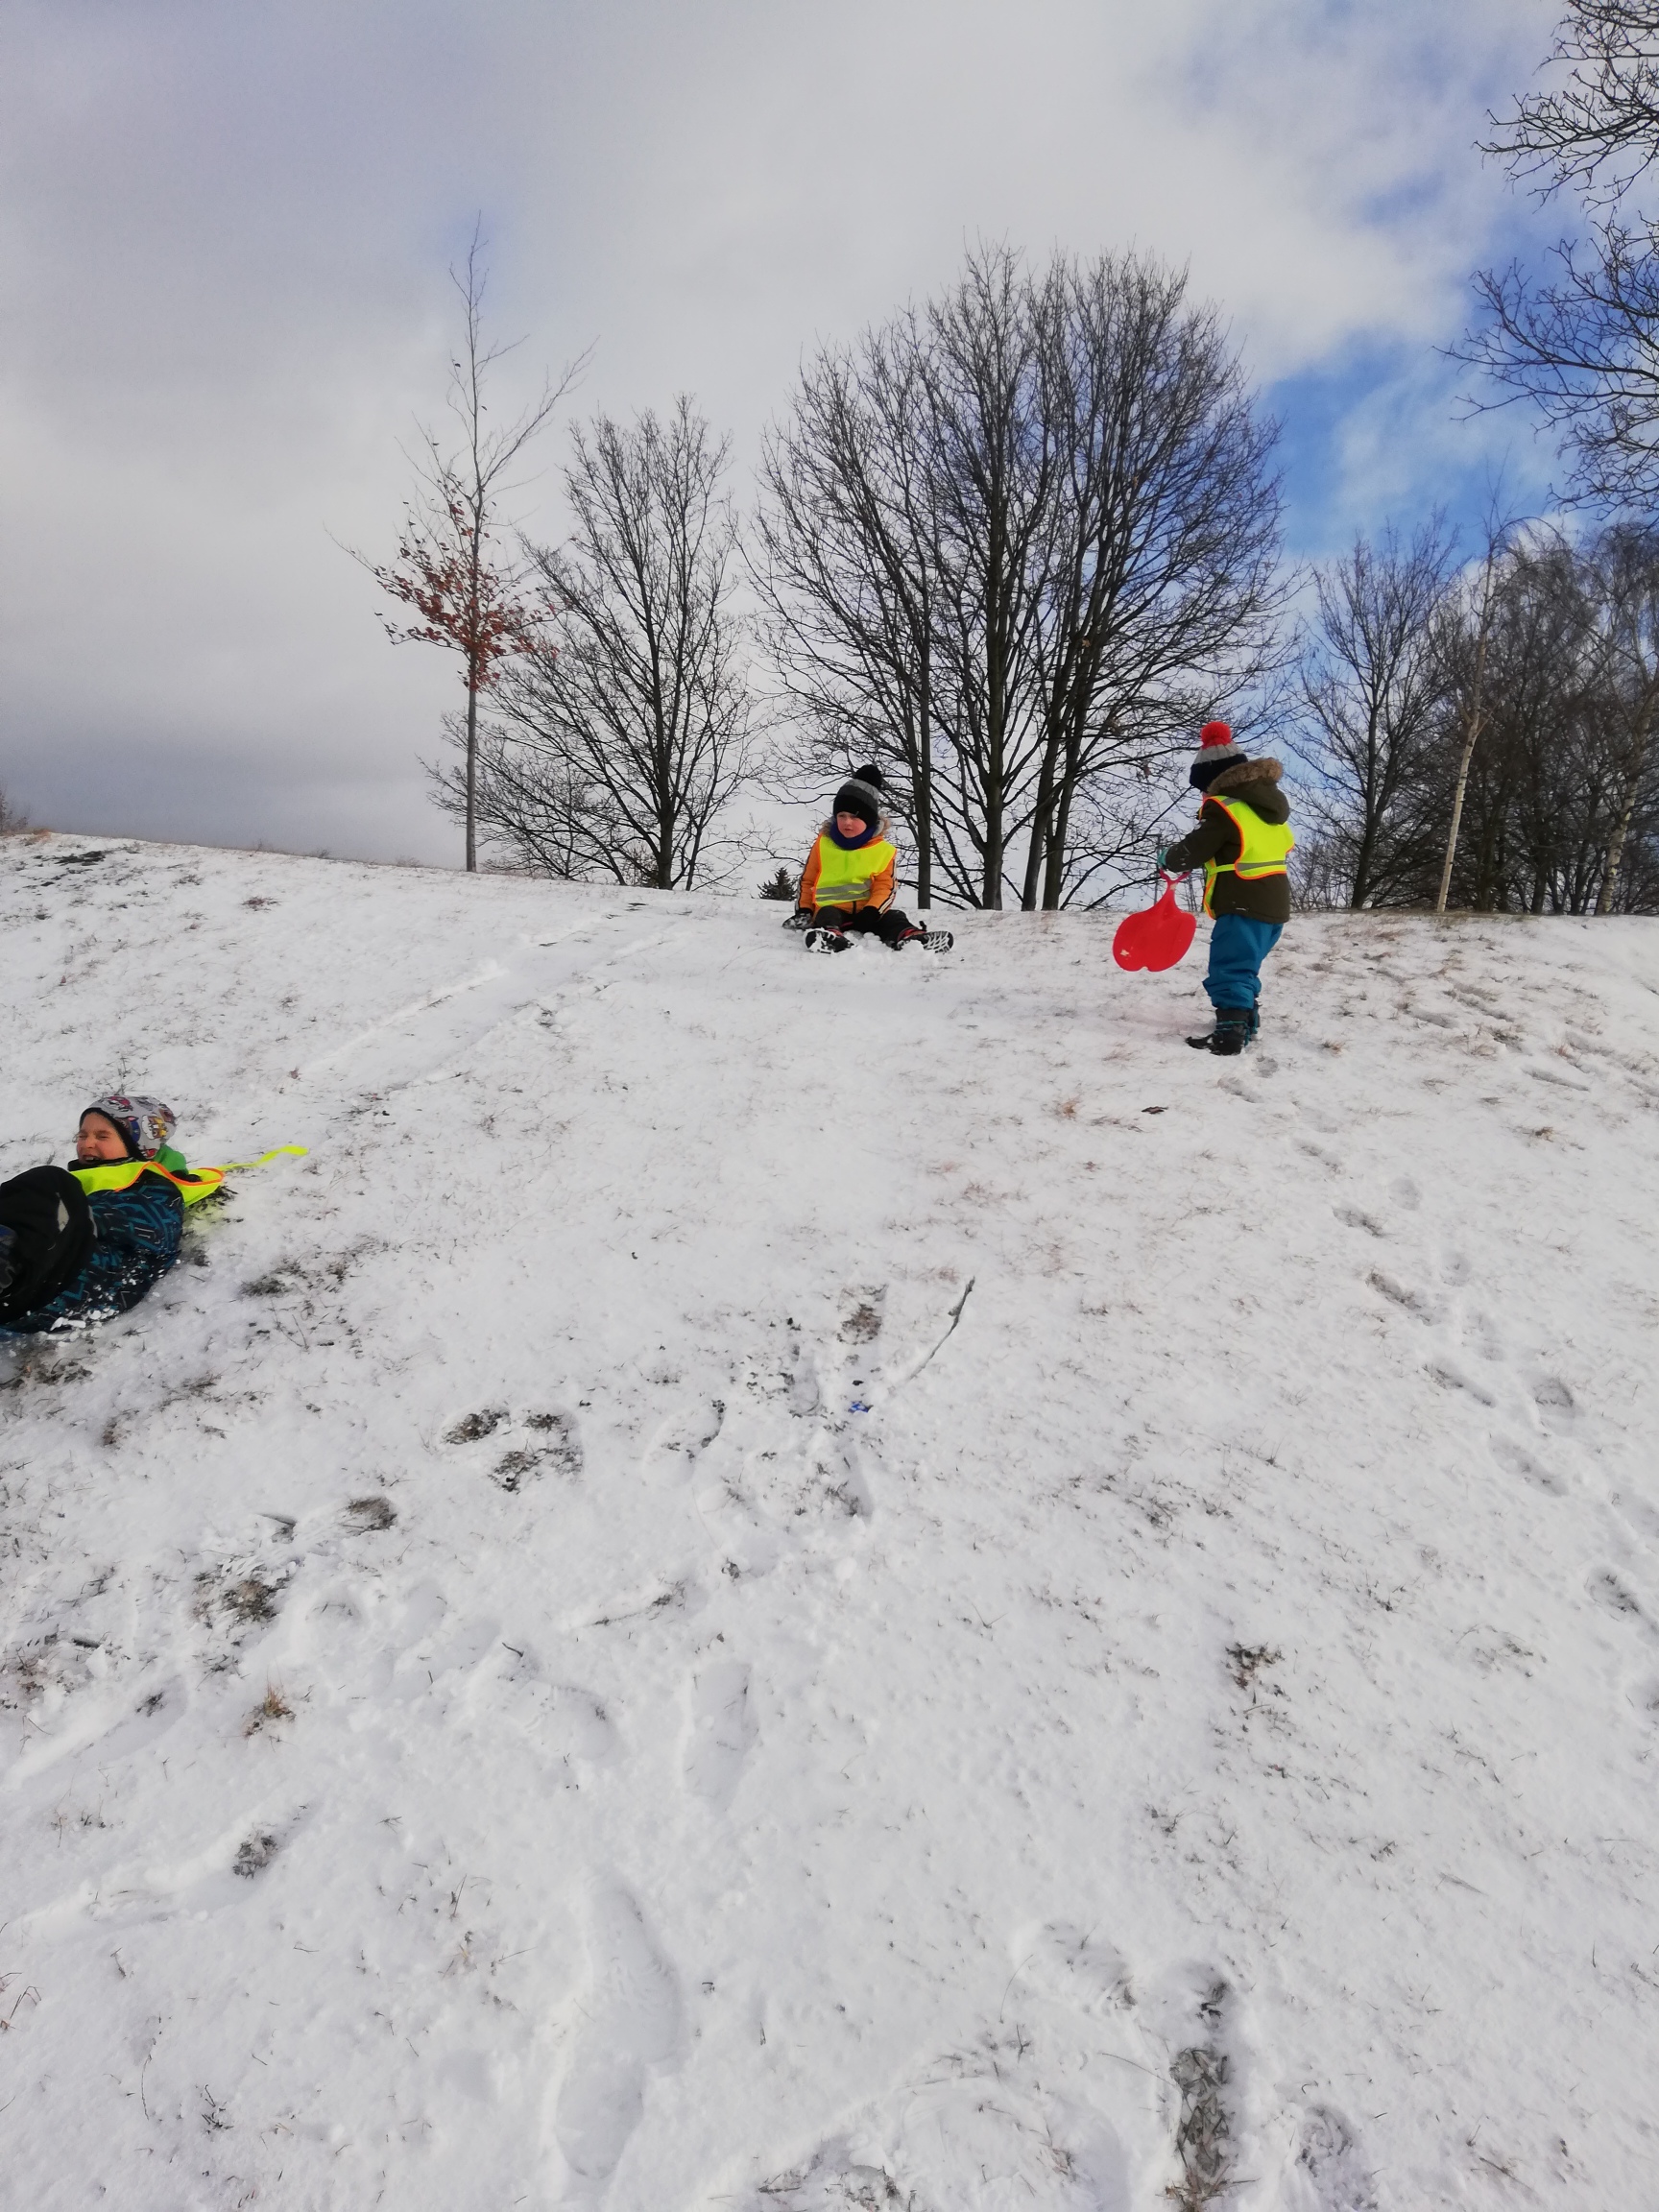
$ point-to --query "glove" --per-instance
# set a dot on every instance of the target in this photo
(1163, 859)
(801, 919)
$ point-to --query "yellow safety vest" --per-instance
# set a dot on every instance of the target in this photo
(192, 1184)
(1263, 847)
(848, 878)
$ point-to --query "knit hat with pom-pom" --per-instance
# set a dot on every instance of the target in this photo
(1215, 751)
(862, 794)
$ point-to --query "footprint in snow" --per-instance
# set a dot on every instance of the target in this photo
(1074, 1963)
(720, 1732)
(1329, 2172)
(1451, 1378)
(1612, 1596)
(563, 1721)
(1637, 1514)
(1351, 1217)
(628, 2023)
(558, 1441)
(1481, 1336)
(678, 1443)
(1399, 1294)
(1557, 1405)
(116, 1724)
(1514, 1460)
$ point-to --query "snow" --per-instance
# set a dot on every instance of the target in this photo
(486, 1721)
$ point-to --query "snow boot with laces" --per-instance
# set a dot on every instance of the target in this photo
(825, 940)
(1235, 1026)
(929, 940)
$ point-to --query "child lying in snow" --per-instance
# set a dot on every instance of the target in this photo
(847, 884)
(84, 1243)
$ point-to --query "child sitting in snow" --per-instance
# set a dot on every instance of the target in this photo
(847, 884)
(83, 1244)
(1243, 842)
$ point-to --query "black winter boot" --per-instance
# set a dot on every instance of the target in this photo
(1230, 1035)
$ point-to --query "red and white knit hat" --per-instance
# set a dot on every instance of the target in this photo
(1216, 745)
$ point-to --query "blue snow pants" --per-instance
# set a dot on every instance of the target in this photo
(1238, 944)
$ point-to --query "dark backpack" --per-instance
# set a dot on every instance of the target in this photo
(47, 1212)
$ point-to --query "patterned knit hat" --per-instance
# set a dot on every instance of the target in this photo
(144, 1122)
(1215, 751)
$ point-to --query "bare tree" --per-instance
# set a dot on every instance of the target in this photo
(1370, 683)
(993, 468)
(846, 571)
(1012, 541)
(624, 733)
(1540, 778)
(449, 568)
(1626, 566)
(1542, 688)
(1162, 592)
(1584, 346)
(1475, 707)
(1599, 130)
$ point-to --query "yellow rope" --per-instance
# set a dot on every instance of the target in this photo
(241, 1166)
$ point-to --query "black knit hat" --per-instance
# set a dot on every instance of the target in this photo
(862, 794)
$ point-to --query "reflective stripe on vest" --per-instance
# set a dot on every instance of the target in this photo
(848, 878)
(192, 1184)
(1263, 847)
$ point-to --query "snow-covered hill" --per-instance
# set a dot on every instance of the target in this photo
(535, 1671)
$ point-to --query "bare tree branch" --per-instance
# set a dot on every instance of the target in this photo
(465, 594)
(625, 730)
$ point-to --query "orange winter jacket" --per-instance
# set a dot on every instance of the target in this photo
(859, 880)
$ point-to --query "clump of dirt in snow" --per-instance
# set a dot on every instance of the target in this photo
(476, 1427)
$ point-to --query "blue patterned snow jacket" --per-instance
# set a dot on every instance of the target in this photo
(138, 1233)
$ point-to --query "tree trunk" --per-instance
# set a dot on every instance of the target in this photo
(1362, 890)
(1059, 828)
(1469, 741)
(1626, 808)
(471, 765)
(1038, 850)
(925, 784)
(1060, 815)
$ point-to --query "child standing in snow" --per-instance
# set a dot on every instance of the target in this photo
(847, 884)
(85, 1243)
(1243, 841)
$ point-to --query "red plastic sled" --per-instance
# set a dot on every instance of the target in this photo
(1158, 937)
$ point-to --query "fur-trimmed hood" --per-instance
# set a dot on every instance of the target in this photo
(1243, 772)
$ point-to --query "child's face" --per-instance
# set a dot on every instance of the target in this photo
(850, 825)
(98, 1138)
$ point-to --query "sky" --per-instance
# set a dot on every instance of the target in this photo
(225, 242)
